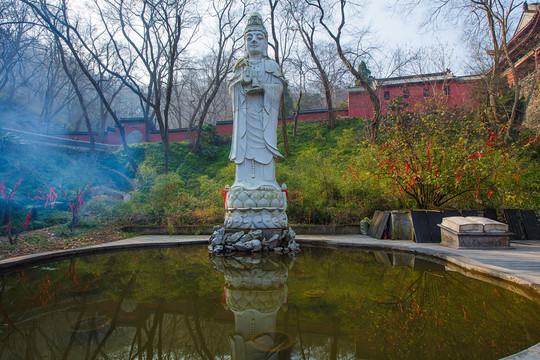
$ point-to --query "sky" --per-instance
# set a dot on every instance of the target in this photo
(395, 28)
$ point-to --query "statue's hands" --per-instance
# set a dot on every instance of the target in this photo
(255, 90)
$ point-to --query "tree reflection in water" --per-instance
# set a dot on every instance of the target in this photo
(321, 304)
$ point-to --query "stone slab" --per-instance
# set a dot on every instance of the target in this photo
(420, 226)
(434, 218)
(513, 219)
(474, 239)
(530, 224)
(489, 225)
(460, 224)
(379, 223)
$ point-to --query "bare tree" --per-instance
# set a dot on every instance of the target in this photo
(349, 58)
(300, 67)
(156, 33)
(111, 85)
(55, 19)
(70, 72)
(283, 39)
(499, 14)
(15, 38)
(487, 23)
(228, 18)
(53, 86)
(306, 22)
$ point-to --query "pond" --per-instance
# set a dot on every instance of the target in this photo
(183, 303)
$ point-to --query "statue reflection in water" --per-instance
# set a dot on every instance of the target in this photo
(255, 290)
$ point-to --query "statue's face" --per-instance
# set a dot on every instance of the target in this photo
(255, 42)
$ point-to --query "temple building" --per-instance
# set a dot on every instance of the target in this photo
(457, 91)
(524, 47)
(454, 91)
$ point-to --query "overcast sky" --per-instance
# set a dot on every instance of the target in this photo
(398, 28)
(395, 29)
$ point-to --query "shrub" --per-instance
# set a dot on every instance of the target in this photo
(438, 157)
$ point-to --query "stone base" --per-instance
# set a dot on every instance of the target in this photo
(239, 240)
(261, 208)
(474, 232)
(474, 240)
(255, 219)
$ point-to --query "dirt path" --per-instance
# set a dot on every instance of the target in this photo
(43, 240)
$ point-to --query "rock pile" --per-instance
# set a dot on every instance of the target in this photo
(223, 241)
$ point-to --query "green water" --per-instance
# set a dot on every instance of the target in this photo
(182, 303)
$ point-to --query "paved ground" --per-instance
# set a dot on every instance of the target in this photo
(517, 268)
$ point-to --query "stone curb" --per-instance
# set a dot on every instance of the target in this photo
(532, 353)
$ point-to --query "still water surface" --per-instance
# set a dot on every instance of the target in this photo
(182, 303)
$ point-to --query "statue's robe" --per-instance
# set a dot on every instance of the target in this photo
(254, 139)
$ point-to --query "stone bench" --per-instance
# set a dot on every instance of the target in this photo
(474, 232)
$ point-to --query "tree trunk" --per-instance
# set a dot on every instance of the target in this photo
(80, 98)
(513, 122)
(284, 135)
(297, 112)
(284, 126)
(166, 149)
(327, 90)
(329, 105)
(514, 119)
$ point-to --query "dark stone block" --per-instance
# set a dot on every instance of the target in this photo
(491, 214)
(379, 224)
(420, 226)
(434, 218)
(513, 219)
(530, 224)
(466, 213)
(448, 213)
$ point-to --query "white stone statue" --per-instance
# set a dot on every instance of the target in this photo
(255, 88)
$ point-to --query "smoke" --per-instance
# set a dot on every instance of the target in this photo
(43, 181)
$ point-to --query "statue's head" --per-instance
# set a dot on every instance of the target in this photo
(255, 36)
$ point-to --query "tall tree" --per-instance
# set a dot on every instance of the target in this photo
(70, 72)
(282, 42)
(155, 34)
(228, 17)
(15, 38)
(349, 58)
(53, 87)
(111, 85)
(306, 23)
(55, 19)
(300, 67)
(490, 21)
